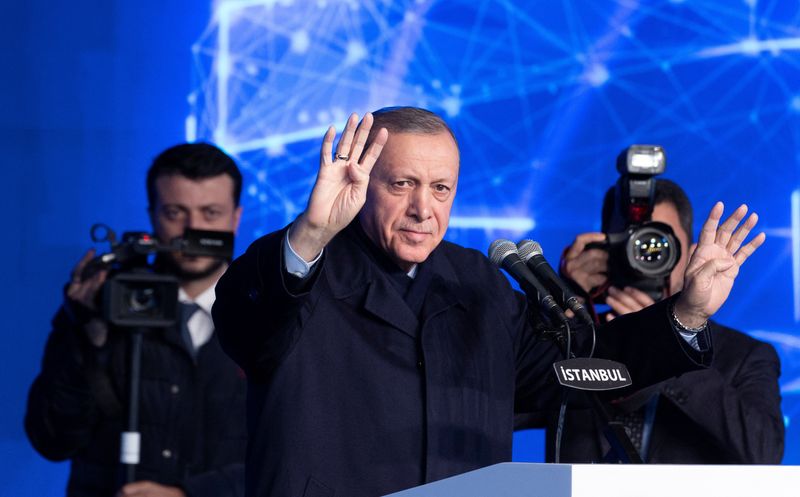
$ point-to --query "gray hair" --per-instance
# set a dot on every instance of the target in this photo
(408, 120)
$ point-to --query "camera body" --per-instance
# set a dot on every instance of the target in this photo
(141, 299)
(135, 295)
(641, 252)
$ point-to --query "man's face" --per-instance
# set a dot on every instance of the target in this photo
(411, 190)
(203, 204)
(666, 213)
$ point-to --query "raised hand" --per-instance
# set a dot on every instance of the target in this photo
(341, 187)
(715, 264)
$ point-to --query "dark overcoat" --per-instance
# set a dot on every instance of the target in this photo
(352, 393)
(729, 413)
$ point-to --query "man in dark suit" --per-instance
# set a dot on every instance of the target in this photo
(728, 413)
(192, 396)
(380, 357)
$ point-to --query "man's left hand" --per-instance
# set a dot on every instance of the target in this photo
(625, 301)
(715, 264)
(149, 489)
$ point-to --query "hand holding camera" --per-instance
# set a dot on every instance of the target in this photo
(134, 293)
(641, 252)
(81, 300)
(83, 291)
(587, 267)
(637, 260)
(628, 265)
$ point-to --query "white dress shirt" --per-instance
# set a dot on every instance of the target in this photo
(200, 325)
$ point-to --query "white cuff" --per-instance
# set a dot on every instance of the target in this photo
(295, 265)
(691, 338)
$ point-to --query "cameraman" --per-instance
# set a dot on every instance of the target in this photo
(191, 412)
(729, 413)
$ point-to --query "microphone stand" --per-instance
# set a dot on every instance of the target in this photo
(130, 441)
(622, 449)
(504, 253)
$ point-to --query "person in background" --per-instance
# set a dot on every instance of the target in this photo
(728, 413)
(192, 396)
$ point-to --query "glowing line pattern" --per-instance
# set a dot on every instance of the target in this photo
(542, 95)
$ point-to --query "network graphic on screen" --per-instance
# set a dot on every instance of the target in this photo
(542, 96)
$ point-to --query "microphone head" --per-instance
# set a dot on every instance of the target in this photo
(499, 250)
(528, 248)
(524, 248)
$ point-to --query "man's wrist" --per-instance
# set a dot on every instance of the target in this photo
(294, 264)
(685, 321)
(97, 332)
(306, 241)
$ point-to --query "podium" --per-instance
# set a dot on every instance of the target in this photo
(617, 480)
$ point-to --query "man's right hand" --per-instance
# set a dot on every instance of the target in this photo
(587, 268)
(626, 300)
(341, 187)
(82, 293)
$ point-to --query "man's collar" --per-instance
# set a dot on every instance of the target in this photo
(376, 253)
(205, 300)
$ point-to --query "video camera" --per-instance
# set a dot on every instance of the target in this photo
(641, 252)
(134, 295)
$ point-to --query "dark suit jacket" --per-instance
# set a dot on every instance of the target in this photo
(191, 412)
(353, 394)
(728, 413)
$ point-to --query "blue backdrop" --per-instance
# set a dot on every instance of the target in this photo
(542, 95)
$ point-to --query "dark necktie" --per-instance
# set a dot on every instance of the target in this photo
(634, 426)
(187, 311)
(639, 425)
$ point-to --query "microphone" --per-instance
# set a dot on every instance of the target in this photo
(531, 253)
(503, 253)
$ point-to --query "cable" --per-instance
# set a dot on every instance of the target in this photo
(594, 339)
(562, 411)
(560, 425)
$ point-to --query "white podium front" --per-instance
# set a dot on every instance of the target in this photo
(615, 480)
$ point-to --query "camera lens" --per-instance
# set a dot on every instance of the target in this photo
(652, 251)
(142, 300)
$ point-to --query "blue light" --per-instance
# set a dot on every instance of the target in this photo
(541, 100)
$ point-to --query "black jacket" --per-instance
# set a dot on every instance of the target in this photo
(729, 413)
(352, 393)
(191, 413)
